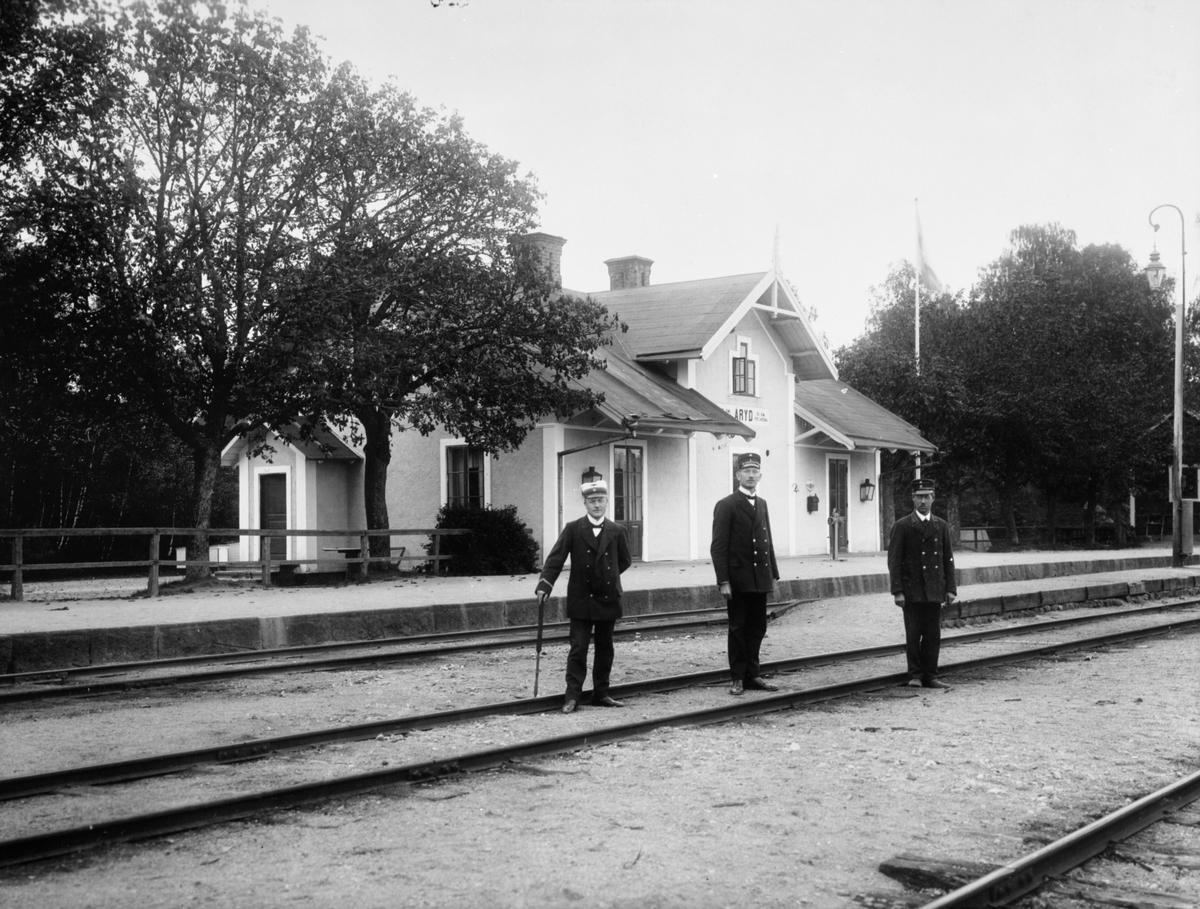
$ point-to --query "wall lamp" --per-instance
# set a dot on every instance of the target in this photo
(866, 490)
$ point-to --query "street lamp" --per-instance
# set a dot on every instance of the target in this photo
(1154, 273)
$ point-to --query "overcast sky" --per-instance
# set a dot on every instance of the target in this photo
(687, 131)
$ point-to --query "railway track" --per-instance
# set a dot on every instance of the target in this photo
(75, 839)
(1060, 870)
(173, 762)
(60, 683)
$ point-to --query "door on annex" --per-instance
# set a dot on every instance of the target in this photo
(627, 495)
(272, 510)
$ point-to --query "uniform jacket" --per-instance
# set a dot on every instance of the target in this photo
(742, 550)
(921, 560)
(594, 588)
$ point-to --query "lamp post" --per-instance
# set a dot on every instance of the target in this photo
(1154, 273)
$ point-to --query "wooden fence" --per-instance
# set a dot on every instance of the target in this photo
(265, 564)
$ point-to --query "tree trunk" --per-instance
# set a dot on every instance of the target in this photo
(953, 517)
(377, 456)
(1051, 514)
(206, 458)
(1007, 513)
(1089, 516)
(887, 496)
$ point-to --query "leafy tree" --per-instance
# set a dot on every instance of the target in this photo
(1075, 366)
(220, 235)
(423, 309)
(1052, 374)
(174, 187)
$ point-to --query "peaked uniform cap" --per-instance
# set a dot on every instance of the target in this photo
(594, 488)
(922, 485)
(749, 459)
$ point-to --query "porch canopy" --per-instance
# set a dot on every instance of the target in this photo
(838, 415)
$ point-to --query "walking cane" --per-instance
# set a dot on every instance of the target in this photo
(537, 663)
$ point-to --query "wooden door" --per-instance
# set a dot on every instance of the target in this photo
(627, 494)
(272, 510)
(839, 497)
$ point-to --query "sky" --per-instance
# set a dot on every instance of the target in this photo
(693, 132)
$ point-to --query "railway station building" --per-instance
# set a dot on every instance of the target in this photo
(707, 370)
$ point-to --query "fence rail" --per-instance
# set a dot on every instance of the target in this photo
(976, 537)
(265, 564)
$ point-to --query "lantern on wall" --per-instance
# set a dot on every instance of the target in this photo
(866, 490)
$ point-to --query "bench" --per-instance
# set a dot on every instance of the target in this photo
(355, 552)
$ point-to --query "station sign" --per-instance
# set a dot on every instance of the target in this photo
(748, 415)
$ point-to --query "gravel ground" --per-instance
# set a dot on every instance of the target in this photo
(796, 808)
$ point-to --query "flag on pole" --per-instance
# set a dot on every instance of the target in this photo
(925, 272)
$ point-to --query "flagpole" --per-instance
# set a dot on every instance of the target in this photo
(917, 313)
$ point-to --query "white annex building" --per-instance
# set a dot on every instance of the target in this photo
(707, 370)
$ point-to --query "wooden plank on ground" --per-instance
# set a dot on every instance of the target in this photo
(919, 873)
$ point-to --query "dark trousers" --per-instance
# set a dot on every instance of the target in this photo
(922, 639)
(581, 637)
(747, 627)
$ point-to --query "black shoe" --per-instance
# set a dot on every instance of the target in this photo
(606, 701)
(569, 705)
(934, 683)
(758, 683)
(737, 689)
(913, 683)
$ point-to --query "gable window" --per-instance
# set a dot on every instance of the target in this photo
(465, 486)
(745, 378)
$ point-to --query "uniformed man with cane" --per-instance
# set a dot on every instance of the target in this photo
(599, 553)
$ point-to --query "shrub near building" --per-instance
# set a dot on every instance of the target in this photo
(499, 541)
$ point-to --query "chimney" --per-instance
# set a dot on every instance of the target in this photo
(547, 250)
(628, 271)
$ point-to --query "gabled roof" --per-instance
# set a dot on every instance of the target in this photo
(853, 420)
(636, 391)
(327, 444)
(690, 319)
(677, 320)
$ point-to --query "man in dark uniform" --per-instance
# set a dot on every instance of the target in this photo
(599, 552)
(743, 557)
(921, 565)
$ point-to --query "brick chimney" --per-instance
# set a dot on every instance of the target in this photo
(628, 271)
(547, 250)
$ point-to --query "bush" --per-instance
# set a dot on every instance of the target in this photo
(499, 542)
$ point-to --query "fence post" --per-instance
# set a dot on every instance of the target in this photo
(18, 581)
(364, 552)
(154, 541)
(265, 556)
(435, 567)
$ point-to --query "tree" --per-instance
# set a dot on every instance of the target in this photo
(176, 192)
(1052, 374)
(237, 238)
(1074, 366)
(423, 310)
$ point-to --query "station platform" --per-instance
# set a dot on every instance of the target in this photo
(91, 622)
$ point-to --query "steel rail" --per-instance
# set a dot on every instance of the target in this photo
(77, 839)
(174, 762)
(478, 640)
(1021, 877)
(63, 673)
(483, 640)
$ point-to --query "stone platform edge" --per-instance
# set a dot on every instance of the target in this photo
(44, 651)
